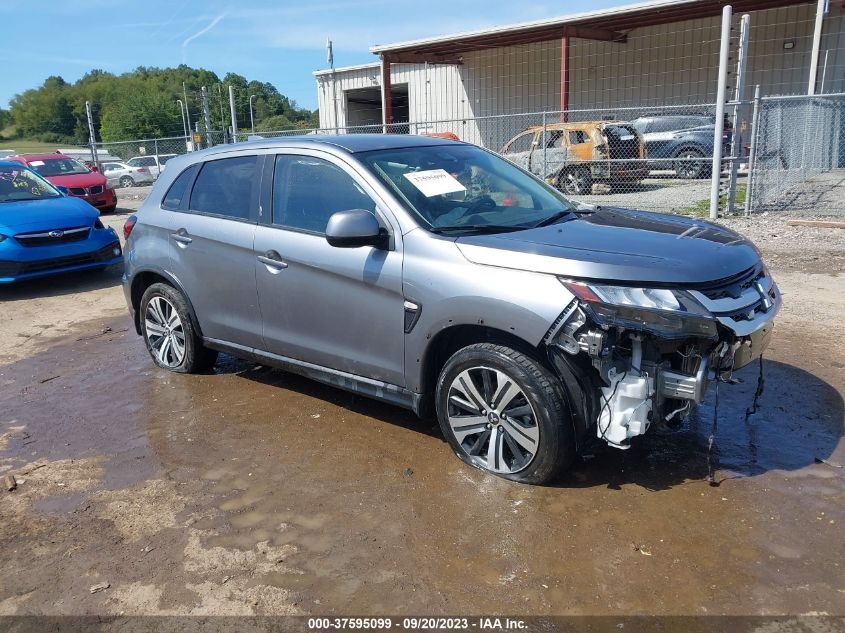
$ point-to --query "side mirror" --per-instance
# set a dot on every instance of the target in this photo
(353, 228)
(94, 168)
(62, 190)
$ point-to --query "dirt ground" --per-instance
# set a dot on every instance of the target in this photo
(252, 491)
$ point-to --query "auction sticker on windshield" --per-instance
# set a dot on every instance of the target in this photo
(434, 182)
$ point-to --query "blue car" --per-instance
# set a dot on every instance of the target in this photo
(43, 231)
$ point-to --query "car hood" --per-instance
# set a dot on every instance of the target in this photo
(78, 180)
(25, 216)
(619, 245)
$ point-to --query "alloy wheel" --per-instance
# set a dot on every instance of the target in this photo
(492, 420)
(688, 167)
(575, 182)
(165, 332)
(126, 181)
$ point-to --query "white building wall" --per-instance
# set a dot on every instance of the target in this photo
(670, 64)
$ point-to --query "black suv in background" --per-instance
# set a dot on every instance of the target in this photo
(686, 140)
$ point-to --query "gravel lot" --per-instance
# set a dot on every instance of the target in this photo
(251, 491)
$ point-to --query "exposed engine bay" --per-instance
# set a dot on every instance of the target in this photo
(654, 351)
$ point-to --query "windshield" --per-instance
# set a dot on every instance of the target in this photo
(455, 187)
(58, 167)
(21, 184)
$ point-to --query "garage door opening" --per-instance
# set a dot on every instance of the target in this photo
(363, 108)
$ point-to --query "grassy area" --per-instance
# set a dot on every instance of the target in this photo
(24, 146)
(701, 209)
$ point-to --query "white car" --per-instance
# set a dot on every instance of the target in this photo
(123, 175)
(155, 163)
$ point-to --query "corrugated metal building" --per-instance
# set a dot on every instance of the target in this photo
(645, 55)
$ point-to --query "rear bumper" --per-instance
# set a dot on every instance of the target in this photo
(627, 170)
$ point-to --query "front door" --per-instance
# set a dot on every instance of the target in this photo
(340, 308)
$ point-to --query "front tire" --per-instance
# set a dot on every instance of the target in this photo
(169, 333)
(503, 412)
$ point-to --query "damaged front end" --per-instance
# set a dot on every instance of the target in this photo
(651, 352)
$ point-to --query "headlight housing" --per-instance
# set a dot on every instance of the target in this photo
(665, 312)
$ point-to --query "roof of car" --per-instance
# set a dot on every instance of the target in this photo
(575, 124)
(351, 142)
(11, 163)
(48, 156)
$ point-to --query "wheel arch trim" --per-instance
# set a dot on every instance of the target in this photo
(137, 291)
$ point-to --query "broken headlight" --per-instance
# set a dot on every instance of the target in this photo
(662, 311)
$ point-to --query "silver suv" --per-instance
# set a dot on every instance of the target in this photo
(438, 276)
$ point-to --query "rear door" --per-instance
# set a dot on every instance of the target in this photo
(518, 150)
(211, 248)
(340, 308)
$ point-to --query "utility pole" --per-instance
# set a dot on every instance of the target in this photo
(206, 117)
(251, 119)
(222, 116)
(184, 121)
(234, 113)
(187, 111)
(330, 60)
(91, 134)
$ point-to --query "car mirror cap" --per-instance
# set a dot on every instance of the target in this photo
(354, 228)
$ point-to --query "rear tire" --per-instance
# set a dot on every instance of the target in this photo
(690, 169)
(575, 181)
(490, 394)
(126, 181)
(169, 332)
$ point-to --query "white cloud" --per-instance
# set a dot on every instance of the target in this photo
(199, 33)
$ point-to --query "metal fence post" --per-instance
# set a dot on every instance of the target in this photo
(206, 117)
(545, 145)
(720, 111)
(736, 139)
(752, 151)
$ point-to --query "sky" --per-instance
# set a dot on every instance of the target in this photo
(281, 42)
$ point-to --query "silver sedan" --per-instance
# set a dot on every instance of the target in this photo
(122, 175)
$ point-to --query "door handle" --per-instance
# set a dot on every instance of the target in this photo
(273, 260)
(181, 236)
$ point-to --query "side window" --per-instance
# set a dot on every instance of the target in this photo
(225, 186)
(134, 162)
(307, 191)
(521, 143)
(179, 189)
(666, 124)
(553, 138)
(148, 162)
(576, 137)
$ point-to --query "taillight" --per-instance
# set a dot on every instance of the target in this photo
(129, 225)
(143, 170)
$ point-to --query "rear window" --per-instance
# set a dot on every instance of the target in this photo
(225, 186)
(176, 194)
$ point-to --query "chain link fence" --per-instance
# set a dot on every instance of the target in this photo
(652, 157)
(798, 159)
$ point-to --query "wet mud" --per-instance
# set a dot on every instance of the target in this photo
(250, 490)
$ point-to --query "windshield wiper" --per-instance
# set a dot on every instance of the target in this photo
(566, 214)
(477, 228)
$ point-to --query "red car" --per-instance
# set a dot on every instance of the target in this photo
(81, 182)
